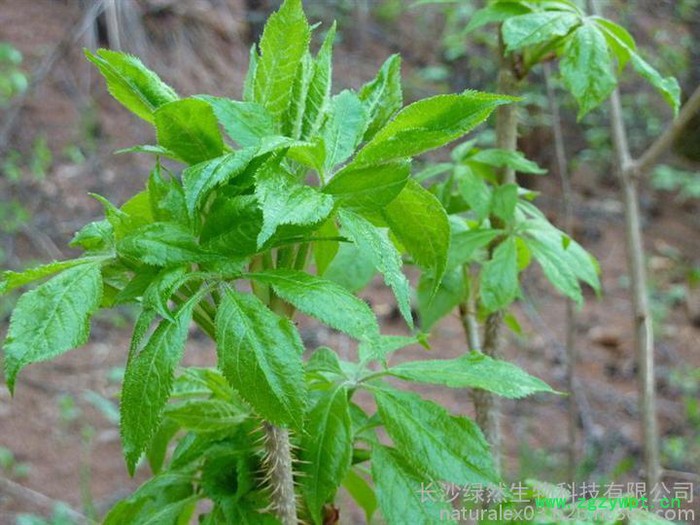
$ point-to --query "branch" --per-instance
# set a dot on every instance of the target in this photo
(20, 492)
(661, 144)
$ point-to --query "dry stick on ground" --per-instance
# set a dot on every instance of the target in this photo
(486, 404)
(570, 321)
(630, 171)
(71, 36)
(15, 490)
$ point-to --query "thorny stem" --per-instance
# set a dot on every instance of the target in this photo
(278, 463)
(568, 209)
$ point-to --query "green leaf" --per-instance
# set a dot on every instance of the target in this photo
(474, 191)
(382, 97)
(260, 355)
(202, 178)
(499, 277)
(319, 93)
(189, 128)
(325, 300)
(52, 319)
(503, 202)
(167, 199)
(148, 381)
(437, 301)
(495, 13)
(163, 244)
(587, 68)
(444, 446)
(419, 221)
(403, 492)
(351, 268)
(512, 159)
(95, 237)
(138, 89)
(285, 201)
(343, 129)
(619, 40)
(385, 257)
(10, 280)
(556, 270)
(378, 349)
(294, 118)
(326, 449)
(161, 289)
(362, 492)
(284, 42)
(206, 415)
(429, 124)
(245, 122)
(325, 251)
(368, 188)
(249, 80)
(464, 244)
(667, 86)
(535, 28)
(473, 370)
(232, 226)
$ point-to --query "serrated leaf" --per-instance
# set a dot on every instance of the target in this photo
(206, 415)
(167, 199)
(52, 319)
(326, 449)
(245, 122)
(10, 280)
(379, 348)
(94, 237)
(419, 221)
(473, 370)
(324, 251)
(294, 118)
(667, 86)
(382, 97)
(499, 277)
(535, 28)
(163, 244)
(437, 301)
(325, 300)
(232, 226)
(202, 178)
(587, 68)
(464, 244)
(351, 268)
(368, 188)
(260, 355)
(384, 256)
(283, 200)
(319, 92)
(343, 129)
(513, 159)
(619, 40)
(446, 447)
(398, 489)
(138, 89)
(429, 124)
(556, 270)
(189, 128)
(474, 191)
(284, 42)
(249, 80)
(503, 202)
(148, 381)
(495, 13)
(161, 289)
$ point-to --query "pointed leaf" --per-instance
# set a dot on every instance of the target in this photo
(245, 122)
(163, 244)
(382, 96)
(429, 124)
(326, 449)
(385, 257)
(473, 370)
(52, 318)
(368, 188)
(10, 280)
(438, 301)
(260, 355)
(319, 92)
(535, 28)
(343, 128)
(667, 86)
(139, 89)
(148, 381)
(499, 277)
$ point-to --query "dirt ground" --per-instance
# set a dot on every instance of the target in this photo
(71, 449)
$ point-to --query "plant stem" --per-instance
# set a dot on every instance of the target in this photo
(570, 320)
(278, 458)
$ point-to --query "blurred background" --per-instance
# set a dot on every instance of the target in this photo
(59, 129)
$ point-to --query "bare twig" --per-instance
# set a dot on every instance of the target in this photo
(71, 36)
(15, 490)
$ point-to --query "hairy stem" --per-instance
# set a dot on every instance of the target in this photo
(280, 472)
(562, 166)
